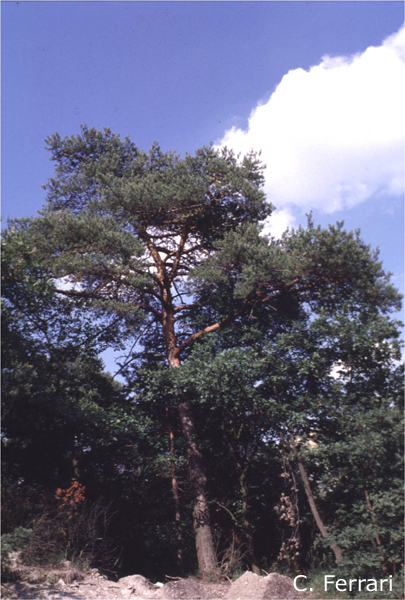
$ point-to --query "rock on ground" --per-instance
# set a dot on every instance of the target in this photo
(139, 585)
(254, 587)
(189, 589)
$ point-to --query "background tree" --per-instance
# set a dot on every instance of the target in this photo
(333, 378)
(359, 479)
(51, 375)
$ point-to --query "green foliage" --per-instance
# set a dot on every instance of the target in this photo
(149, 253)
(18, 539)
(13, 542)
(363, 466)
(52, 376)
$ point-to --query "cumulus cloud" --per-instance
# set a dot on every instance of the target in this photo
(278, 222)
(332, 136)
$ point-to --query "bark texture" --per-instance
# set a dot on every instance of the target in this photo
(207, 562)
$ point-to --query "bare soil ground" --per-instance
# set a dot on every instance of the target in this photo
(64, 582)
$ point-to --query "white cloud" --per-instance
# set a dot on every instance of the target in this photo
(332, 136)
(278, 222)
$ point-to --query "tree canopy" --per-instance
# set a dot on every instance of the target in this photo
(234, 337)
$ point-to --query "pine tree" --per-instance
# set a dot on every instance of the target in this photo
(172, 249)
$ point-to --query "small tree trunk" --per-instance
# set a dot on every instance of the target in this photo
(247, 527)
(175, 493)
(203, 536)
(77, 451)
(336, 550)
(378, 540)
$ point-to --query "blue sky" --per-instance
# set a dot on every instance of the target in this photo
(316, 86)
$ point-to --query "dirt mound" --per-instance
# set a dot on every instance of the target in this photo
(139, 585)
(254, 587)
(65, 583)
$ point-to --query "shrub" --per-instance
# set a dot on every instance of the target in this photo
(77, 534)
(13, 542)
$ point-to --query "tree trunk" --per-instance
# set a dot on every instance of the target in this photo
(336, 550)
(247, 527)
(207, 563)
(203, 536)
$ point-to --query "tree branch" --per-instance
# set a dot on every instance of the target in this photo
(88, 295)
(208, 329)
(179, 253)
